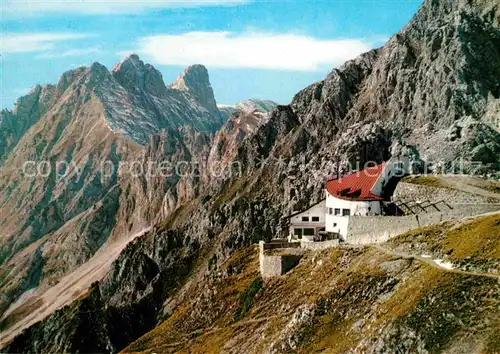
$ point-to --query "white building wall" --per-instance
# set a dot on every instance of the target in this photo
(316, 211)
(339, 223)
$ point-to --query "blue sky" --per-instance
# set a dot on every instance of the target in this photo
(252, 49)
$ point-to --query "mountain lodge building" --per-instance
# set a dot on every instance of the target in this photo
(360, 193)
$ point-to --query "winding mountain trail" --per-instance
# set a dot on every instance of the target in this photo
(432, 263)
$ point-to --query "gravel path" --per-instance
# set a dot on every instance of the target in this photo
(433, 263)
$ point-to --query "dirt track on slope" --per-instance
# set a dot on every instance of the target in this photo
(69, 288)
(432, 263)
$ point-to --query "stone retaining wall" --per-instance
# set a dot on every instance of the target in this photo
(275, 265)
(321, 245)
(377, 229)
(277, 244)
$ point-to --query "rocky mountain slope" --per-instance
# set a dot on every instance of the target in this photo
(429, 90)
(75, 174)
(142, 104)
(361, 300)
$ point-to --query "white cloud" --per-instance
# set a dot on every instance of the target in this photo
(69, 53)
(34, 42)
(250, 50)
(93, 7)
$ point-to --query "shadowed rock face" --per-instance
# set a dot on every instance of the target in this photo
(138, 77)
(195, 81)
(29, 109)
(436, 77)
(432, 85)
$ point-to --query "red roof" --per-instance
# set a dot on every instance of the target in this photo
(357, 185)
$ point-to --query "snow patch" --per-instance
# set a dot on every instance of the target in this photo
(443, 264)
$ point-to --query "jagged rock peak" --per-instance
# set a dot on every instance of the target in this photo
(130, 61)
(195, 80)
(136, 76)
(193, 76)
(97, 67)
(68, 78)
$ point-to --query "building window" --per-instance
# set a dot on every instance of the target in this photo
(346, 212)
(305, 218)
(334, 224)
(330, 211)
(337, 211)
(315, 218)
(298, 233)
(308, 232)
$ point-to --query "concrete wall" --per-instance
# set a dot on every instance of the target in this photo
(315, 246)
(377, 229)
(339, 223)
(275, 244)
(272, 266)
